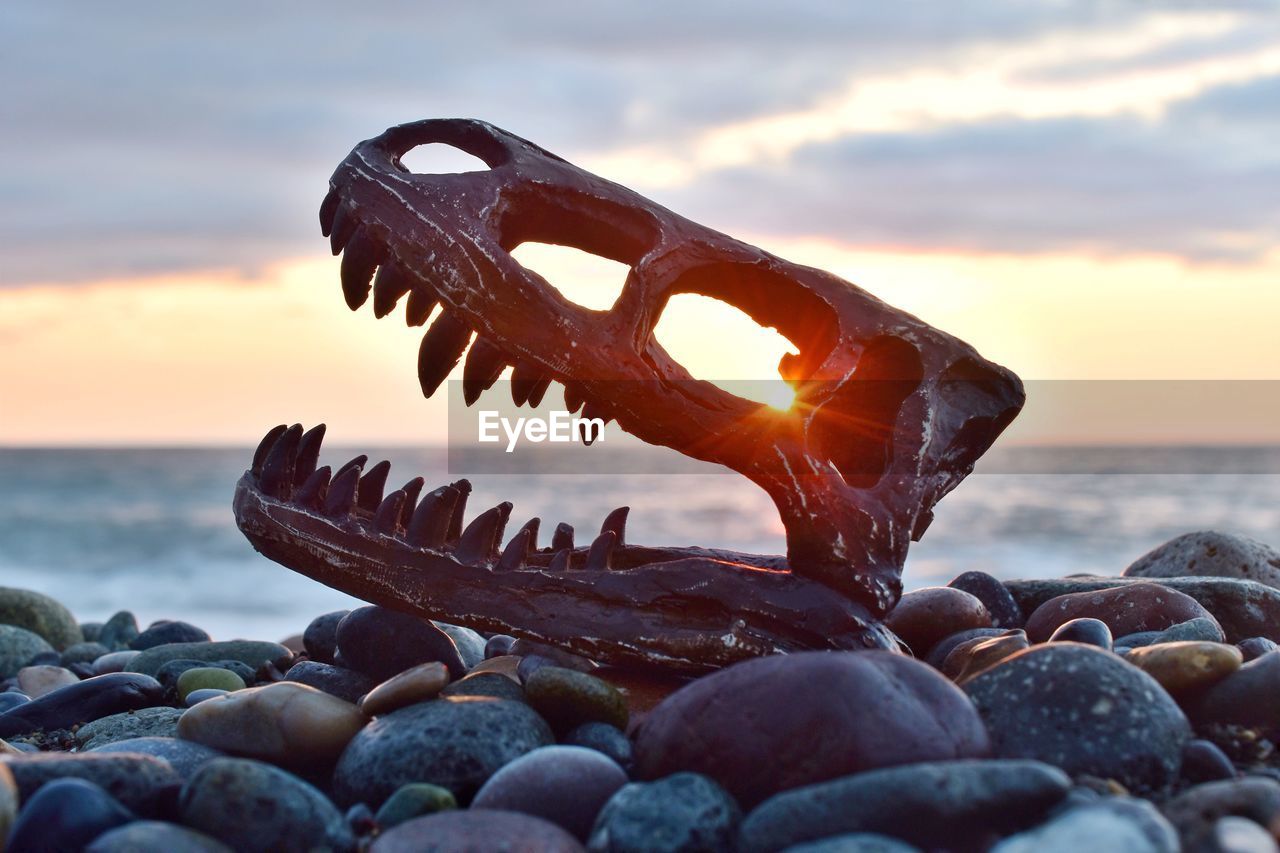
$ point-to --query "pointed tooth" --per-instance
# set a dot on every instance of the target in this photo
(562, 537)
(311, 493)
(591, 411)
(523, 377)
(277, 470)
(391, 283)
(517, 551)
(477, 542)
(342, 493)
(442, 346)
(463, 488)
(430, 523)
(264, 447)
(372, 484)
(344, 225)
(308, 453)
(411, 491)
(573, 398)
(560, 562)
(418, 308)
(532, 526)
(482, 368)
(328, 209)
(359, 260)
(386, 519)
(539, 390)
(358, 462)
(617, 522)
(600, 556)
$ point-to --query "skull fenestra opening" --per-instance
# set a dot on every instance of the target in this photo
(890, 414)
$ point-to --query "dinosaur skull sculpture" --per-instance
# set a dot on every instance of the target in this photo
(890, 415)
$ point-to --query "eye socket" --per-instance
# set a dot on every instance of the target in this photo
(585, 279)
(440, 158)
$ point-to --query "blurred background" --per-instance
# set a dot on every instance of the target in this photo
(1087, 192)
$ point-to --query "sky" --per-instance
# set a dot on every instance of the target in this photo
(1082, 190)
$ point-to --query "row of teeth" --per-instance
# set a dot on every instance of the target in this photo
(368, 266)
(284, 466)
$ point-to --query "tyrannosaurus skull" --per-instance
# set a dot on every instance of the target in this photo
(890, 414)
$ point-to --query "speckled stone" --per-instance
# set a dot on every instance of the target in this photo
(41, 615)
(65, 814)
(935, 804)
(252, 806)
(753, 726)
(208, 678)
(253, 653)
(973, 656)
(416, 684)
(479, 831)
(1004, 611)
(1092, 632)
(140, 782)
(1126, 610)
(414, 800)
(36, 681)
(160, 721)
(925, 616)
(1108, 719)
(346, 684)
(154, 835)
(566, 699)
(454, 742)
(18, 648)
(1183, 668)
(285, 723)
(1210, 553)
(1131, 825)
(682, 812)
(184, 756)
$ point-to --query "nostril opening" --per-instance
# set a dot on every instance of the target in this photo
(439, 158)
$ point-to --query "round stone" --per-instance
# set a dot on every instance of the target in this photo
(166, 632)
(604, 738)
(755, 726)
(184, 756)
(1084, 710)
(11, 699)
(118, 631)
(41, 615)
(170, 672)
(925, 616)
(18, 647)
(995, 597)
(1193, 630)
(208, 678)
(114, 662)
(416, 684)
(974, 656)
(486, 684)
(477, 831)
(498, 645)
(855, 842)
(252, 653)
(204, 694)
(66, 814)
(684, 811)
(1245, 698)
(938, 654)
(1091, 632)
(285, 723)
(508, 666)
(139, 782)
(160, 721)
(83, 653)
(346, 684)
(155, 835)
(566, 699)
(454, 742)
(1255, 647)
(252, 806)
(566, 785)
(381, 643)
(414, 800)
(1131, 825)
(36, 681)
(1194, 813)
(1183, 668)
(1204, 761)
(83, 702)
(321, 636)
(945, 804)
(1125, 609)
(470, 645)
(1210, 553)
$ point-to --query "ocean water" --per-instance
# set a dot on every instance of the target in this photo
(151, 530)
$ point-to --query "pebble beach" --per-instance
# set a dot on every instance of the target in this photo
(1136, 712)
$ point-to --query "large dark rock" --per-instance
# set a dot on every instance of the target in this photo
(684, 811)
(320, 639)
(1210, 553)
(567, 785)
(163, 633)
(251, 806)
(454, 742)
(1125, 610)
(66, 814)
(382, 643)
(922, 617)
(951, 804)
(1195, 812)
(346, 684)
(566, 699)
(39, 614)
(1004, 611)
(1084, 710)
(1243, 608)
(478, 831)
(89, 700)
(19, 647)
(1246, 697)
(140, 782)
(779, 722)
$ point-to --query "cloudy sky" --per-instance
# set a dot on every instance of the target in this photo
(1084, 190)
